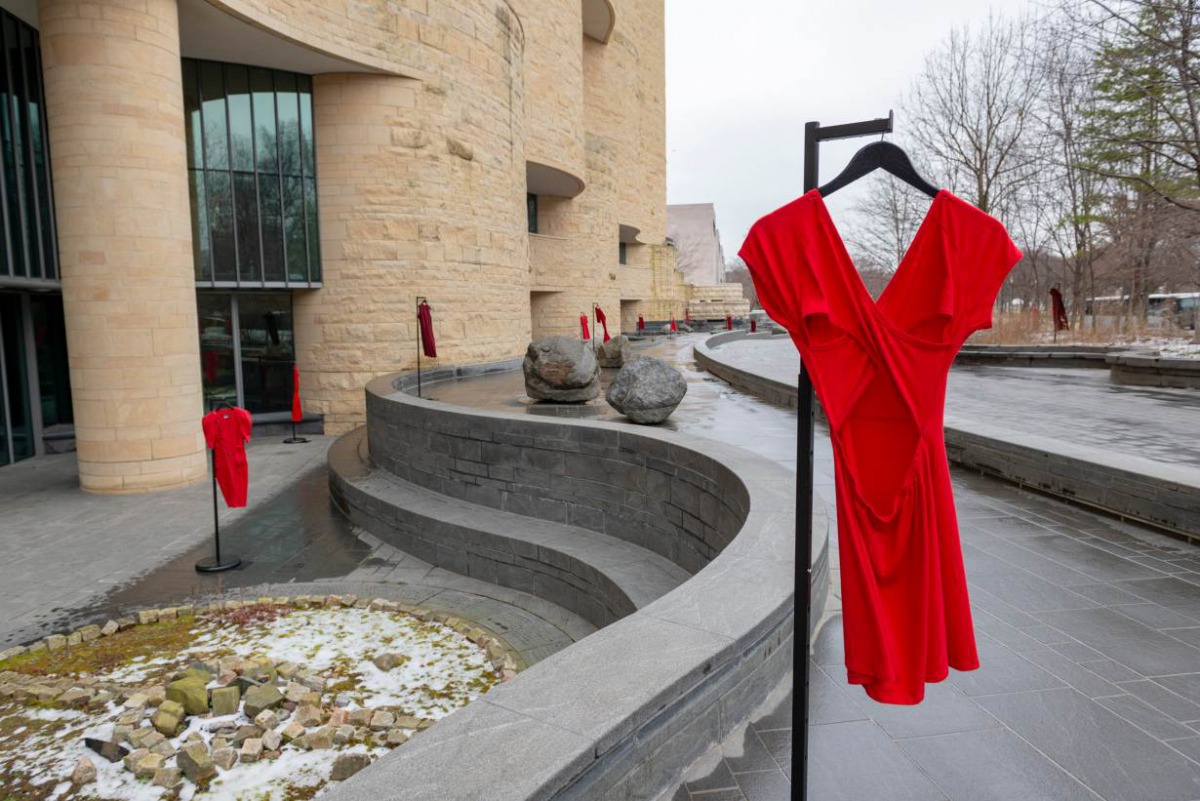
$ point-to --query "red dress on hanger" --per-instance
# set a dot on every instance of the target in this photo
(226, 432)
(879, 371)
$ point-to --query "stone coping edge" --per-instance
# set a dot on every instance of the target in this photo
(1129, 487)
(1148, 369)
(623, 712)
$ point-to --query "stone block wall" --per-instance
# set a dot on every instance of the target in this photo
(715, 301)
(421, 192)
(675, 502)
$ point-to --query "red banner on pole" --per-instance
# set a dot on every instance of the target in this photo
(297, 409)
(641, 323)
(729, 322)
(673, 326)
(425, 323)
(584, 327)
(600, 318)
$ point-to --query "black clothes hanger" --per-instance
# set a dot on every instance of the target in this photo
(879, 155)
(223, 405)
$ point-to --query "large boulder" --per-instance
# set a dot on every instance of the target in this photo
(646, 390)
(562, 369)
(615, 352)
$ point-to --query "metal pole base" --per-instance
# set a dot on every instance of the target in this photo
(295, 440)
(211, 564)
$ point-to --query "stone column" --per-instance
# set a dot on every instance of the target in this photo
(115, 105)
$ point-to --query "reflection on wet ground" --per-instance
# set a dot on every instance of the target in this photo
(298, 536)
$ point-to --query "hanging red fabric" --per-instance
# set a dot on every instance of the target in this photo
(600, 318)
(673, 326)
(425, 323)
(879, 370)
(1061, 322)
(753, 325)
(729, 322)
(641, 323)
(297, 409)
(687, 316)
(226, 432)
(584, 326)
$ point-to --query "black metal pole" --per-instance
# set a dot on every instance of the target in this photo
(215, 564)
(814, 134)
(216, 517)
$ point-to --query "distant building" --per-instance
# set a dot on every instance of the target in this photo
(693, 229)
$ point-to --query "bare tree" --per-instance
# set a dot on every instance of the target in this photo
(1066, 182)
(886, 220)
(736, 272)
(970, 110)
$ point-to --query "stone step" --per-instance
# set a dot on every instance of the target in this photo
(599, 577)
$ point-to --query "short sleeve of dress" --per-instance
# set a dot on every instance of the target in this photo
(991, 255)
(209, 424)
(773, 253)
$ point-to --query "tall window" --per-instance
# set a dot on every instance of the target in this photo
(252, 176)
(531, 211)
(29, 250)
(247, 349)
(622, 253)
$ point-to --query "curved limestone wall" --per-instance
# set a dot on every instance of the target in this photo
(621, 713)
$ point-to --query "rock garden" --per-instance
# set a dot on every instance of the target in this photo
(267, 699)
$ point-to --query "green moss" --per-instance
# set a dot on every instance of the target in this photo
(108, 653)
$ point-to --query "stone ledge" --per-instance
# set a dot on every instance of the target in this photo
(623, 712)
(1130, 487)
(1152, 370)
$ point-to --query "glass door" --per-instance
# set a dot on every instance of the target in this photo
(17, 429)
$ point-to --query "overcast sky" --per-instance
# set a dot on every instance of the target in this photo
(743, 78)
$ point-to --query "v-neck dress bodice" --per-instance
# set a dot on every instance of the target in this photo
(879, 370)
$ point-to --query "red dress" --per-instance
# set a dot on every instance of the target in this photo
(226, 432)
(879, 371)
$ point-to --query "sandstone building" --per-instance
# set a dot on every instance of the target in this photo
(196, 194)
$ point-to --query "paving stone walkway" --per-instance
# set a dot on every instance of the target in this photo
(1089, 636)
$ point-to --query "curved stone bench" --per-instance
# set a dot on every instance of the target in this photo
(624, 711)
(1124, 485)
(600, 578)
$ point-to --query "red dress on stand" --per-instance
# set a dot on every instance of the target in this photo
(226, 432)
(879, 371)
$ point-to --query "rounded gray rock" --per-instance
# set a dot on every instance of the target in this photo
(647, 390)
(615, 352)
(562, 369)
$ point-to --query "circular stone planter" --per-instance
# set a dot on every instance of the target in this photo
(334, 682)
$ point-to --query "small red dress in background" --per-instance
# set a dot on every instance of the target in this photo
(226, 432)
(879, 370)
(584, 327)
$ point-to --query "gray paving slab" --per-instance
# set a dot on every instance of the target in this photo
(993, 765)
(1105, 752)
(1138, 647)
